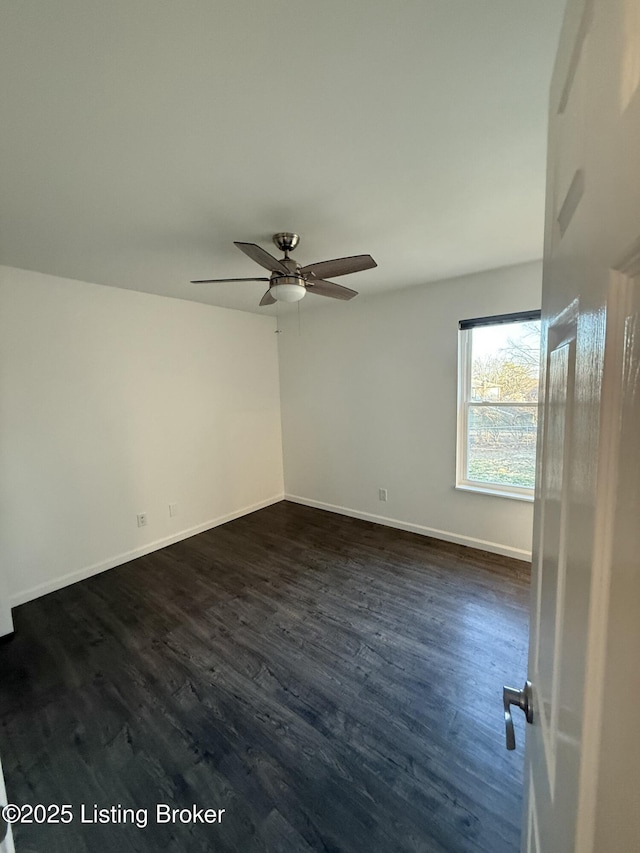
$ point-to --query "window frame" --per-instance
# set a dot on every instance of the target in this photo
(465, 331)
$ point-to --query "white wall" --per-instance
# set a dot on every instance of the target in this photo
(368, 392)
(6, 620)
(114, 402)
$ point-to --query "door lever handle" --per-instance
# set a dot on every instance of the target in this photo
(524, 700)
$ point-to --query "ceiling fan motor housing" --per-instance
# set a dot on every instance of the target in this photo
(288, 288)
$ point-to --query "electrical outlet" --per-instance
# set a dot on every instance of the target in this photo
(142, 519)
(382, 494)
(173, 510)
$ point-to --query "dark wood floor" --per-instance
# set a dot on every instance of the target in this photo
(333, 684)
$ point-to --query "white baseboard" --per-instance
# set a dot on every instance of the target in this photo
(127, 556)
(457, 538)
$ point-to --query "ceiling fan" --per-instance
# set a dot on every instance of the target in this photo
(289, 282)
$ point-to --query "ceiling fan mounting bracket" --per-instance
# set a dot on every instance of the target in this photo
(286, 241)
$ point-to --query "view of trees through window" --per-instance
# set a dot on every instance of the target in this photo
(502, 405)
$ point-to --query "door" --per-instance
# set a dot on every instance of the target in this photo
(582, 770)
(6, 838)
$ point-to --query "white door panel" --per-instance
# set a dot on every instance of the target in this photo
(552, 739)
(582, 755)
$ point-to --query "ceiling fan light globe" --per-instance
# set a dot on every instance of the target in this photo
(287, 292)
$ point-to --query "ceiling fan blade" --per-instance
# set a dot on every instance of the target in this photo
(340, 266)
(218, 280)
(258, 254)
(328, 288)
(267, 299)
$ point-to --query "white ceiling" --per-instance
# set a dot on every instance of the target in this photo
(140, 138)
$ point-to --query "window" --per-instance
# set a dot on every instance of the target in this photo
(498, 373)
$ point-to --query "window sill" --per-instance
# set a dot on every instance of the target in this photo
(497, 492)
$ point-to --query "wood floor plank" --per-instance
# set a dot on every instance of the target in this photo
(332, 684)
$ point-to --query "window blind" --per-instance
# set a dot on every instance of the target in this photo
(499, 319)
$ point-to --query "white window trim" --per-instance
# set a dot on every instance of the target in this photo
(500, 490)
